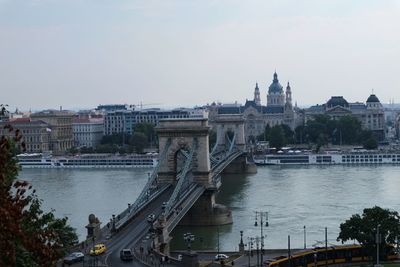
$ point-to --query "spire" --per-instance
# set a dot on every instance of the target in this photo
(276, 77)
(257, 98)
(288, 95)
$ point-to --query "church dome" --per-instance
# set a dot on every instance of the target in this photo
(373, 99)
(275, 86)
(337, 101)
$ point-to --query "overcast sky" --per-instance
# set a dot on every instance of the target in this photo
(78, 53)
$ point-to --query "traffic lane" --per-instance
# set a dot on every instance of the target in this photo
(138, 228)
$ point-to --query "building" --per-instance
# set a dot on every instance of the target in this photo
(278, 110)
(35, 134)
(370, 114)
(87, 131)
(123, 121)
(60, 124)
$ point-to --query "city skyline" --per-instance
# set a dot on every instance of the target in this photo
(84, 53)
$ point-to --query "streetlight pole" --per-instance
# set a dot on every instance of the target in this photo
(218, 237)
(263, 215)
(289, 252)
(326, 246)
(378, 241)
(305, 245)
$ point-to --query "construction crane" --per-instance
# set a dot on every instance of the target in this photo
(141, 105)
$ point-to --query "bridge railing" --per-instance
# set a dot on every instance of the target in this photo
(146, 190)
(182, 177)
(149, 192)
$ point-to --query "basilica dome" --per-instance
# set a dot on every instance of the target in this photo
(275, 87)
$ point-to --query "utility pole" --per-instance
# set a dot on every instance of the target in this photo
(263, 215)
(378, 241)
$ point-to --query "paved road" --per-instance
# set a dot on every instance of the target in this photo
(133, 233)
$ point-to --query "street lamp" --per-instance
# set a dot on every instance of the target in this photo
(189, 238)
(378, 241)
(263, 216)
(250, 247)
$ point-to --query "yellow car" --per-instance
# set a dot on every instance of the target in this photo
(98, 249)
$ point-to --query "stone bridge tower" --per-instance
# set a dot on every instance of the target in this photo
(230, 125)
(182, 133)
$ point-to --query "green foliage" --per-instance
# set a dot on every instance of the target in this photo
(148, 130)
(115, 139)
(277, 137)
(323, 129)
(139, 142)
(370, 143)
(265, 136)
(28, 236)
(363, 228)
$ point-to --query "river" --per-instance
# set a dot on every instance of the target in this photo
(294, 197)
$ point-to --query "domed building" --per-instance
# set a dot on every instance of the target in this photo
(370, 114)
(279, 110)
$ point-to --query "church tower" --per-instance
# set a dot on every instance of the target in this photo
(257, 98)
(288, 96)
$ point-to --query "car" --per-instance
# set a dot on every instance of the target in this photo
(74, 257)
(151, 218)
(126, 254)
(180, 257)
(164, 205)
(98, 249)
(221, 257)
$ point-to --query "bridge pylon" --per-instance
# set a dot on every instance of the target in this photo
(181, 132)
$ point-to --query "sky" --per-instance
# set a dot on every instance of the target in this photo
(179, 53)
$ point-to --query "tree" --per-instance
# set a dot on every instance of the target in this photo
(148, 130)
(363, 228)
(28, 236)
(139, 142)
(289, 134)
(277, 137)
(370, 143)
(265, 135)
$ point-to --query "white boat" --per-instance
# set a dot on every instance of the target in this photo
(328, 158)
(39, 160)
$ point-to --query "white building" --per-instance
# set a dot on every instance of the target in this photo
(87, 131)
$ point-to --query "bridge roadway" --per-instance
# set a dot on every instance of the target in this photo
(133, 232)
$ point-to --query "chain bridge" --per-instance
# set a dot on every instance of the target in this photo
(183, 186)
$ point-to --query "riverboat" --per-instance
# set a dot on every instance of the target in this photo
(327, 158)
(39, 160)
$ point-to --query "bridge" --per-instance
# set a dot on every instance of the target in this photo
(182, 187)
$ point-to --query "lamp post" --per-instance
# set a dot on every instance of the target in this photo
(189, 238)
(289, 252)
(326, 246)
(250, 247)
(218, 238)
(263, 216)
(378, 241)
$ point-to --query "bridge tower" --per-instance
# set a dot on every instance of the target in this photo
(232, 124)
(181, 133)
(228, 126)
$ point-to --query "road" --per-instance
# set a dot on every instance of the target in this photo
(133, 233)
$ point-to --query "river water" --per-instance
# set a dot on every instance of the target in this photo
(294, 197)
